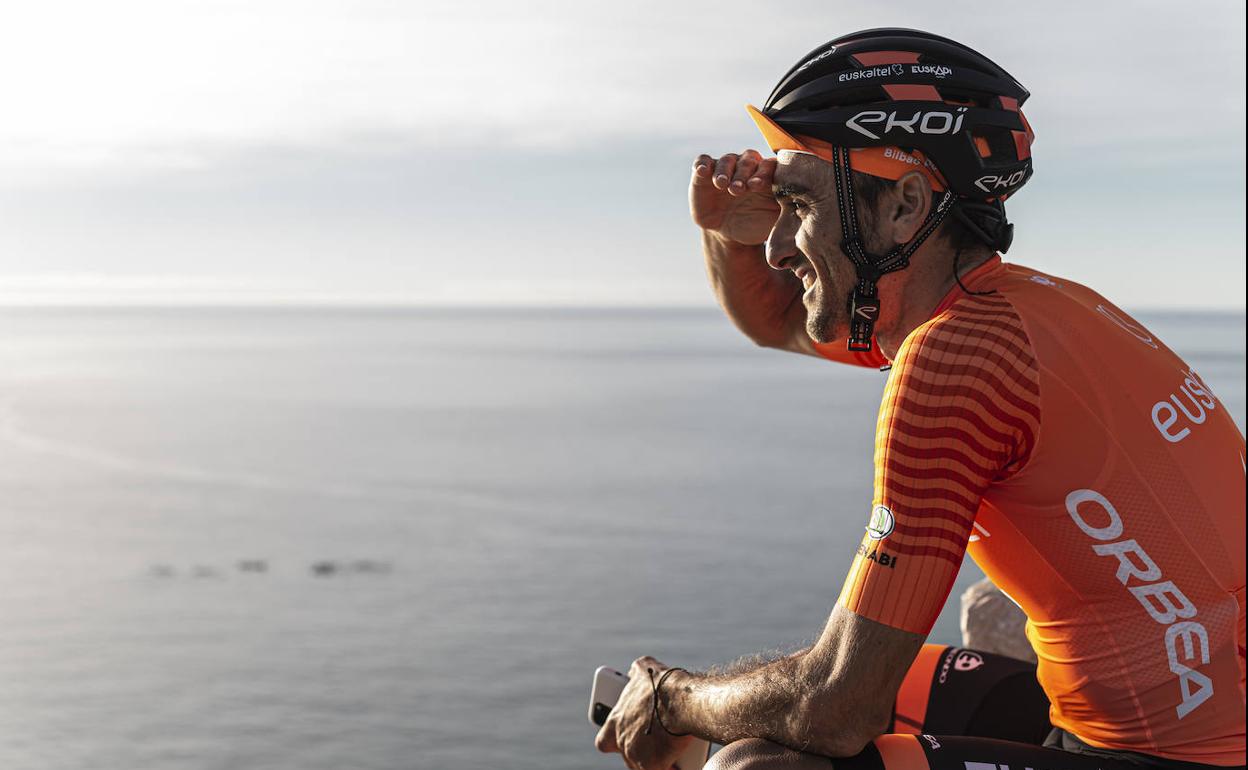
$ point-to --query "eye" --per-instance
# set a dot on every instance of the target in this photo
(799, 206)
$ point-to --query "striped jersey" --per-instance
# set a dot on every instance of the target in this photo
(1096, 479)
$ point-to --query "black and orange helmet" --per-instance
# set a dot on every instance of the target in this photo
(886, 102)
(914, 90)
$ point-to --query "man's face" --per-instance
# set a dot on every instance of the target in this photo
(806, 239)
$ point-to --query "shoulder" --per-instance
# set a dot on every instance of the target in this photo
(970, 371)
(977, 335)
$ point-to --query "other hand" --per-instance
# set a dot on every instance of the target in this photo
(625, 729)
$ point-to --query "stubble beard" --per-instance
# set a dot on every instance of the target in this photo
(822, 318)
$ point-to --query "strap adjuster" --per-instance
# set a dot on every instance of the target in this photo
(864, 310)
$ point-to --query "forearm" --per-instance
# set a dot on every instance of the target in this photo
(765, 304)
(759, 703)
(787, 701)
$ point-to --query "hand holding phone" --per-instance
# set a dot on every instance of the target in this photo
(608, 685)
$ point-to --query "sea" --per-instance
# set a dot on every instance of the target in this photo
(326, 538)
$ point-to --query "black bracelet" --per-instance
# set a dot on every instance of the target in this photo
(654, 712)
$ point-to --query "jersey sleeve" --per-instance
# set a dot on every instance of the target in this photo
(838, 352)
(961, 410)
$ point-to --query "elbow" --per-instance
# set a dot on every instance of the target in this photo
(841, 740)
(763, 334)
(851, 744)
(770, 340)
(837, 726)
(759, 338)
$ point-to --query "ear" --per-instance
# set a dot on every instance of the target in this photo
(909, 201)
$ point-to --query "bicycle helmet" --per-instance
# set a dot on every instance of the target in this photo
(889, 101)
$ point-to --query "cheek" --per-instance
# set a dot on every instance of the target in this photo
(822, 249)
(818, 234)
(811, 238)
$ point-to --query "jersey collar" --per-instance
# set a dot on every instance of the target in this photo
(978, 279)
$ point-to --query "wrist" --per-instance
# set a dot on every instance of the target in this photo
(724, 242)
(673, 702)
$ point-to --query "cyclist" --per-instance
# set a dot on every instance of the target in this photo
(1088, 470)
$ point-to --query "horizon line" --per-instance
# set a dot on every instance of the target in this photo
(306, 303)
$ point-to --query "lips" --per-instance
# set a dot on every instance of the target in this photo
(806, 276)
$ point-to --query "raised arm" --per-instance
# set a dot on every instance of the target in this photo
(730, 199)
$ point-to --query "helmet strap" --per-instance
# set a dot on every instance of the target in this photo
(864, 300)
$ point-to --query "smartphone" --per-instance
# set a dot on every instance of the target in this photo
(608, 684)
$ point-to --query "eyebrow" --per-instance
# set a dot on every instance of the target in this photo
(789, 189)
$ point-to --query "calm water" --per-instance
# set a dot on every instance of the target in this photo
(503, 501)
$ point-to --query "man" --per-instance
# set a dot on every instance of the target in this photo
(1089, 471)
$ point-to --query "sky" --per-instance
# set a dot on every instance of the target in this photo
(494, 152)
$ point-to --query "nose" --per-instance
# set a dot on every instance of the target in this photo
(781, 248)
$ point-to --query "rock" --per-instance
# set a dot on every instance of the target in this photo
(991, 622)
(368, 566)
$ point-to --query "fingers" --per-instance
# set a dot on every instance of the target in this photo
(763, 176)
(724, 168)
(640, 666)
(736, 174)
(747, 166)
(606, 742)
(702, 168)
(629, 754)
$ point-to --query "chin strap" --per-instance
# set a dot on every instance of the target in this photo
(864, 301)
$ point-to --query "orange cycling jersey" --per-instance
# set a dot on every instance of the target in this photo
(1098, 482)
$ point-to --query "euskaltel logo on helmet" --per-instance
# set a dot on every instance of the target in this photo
(869, 72)
(935, 70)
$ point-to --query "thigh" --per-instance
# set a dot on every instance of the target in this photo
(956, 691)
(960, 752)
(914, 752)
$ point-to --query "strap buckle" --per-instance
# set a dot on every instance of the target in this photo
(864, 310)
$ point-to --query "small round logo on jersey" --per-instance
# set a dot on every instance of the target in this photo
(881, 525)
(967, 661)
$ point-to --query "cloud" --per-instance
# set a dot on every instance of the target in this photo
(168, 83)
(503, 152)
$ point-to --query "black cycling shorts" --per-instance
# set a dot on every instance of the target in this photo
(961, 709)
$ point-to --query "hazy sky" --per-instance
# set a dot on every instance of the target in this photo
(527, 152)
